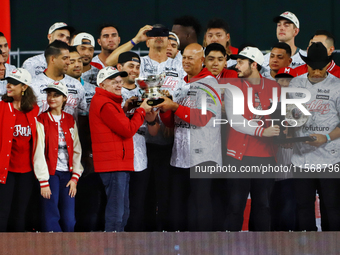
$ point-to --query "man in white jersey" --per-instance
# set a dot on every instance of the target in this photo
(90, 189)
(5, 53)
(280, 56)
(323, 153)
(108, 40)
(159, 147)
(173, 47)
(58, 31)
(287, 29)
(85, 46)
(139, 179)
(58, 58)
(196, 142)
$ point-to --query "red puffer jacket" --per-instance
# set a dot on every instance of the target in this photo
(112, 132)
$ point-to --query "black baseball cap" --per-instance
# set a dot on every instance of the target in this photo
(128, 56)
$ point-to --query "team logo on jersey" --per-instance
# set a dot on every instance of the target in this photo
(318, 106)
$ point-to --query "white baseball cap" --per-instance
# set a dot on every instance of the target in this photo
(60, 25)
(109, 72)
(252, 53)
(20, 75)
(78, 40)
(176, 37)
(289, 16)
(58, 85)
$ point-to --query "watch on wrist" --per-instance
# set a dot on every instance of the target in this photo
(152, 123)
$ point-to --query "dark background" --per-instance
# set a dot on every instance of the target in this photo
(249, 20)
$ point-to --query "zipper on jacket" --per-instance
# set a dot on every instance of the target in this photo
(123, 151)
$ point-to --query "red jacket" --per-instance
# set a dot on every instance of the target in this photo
(237, 142)
(112, 132)
(51, 142)
(332, 68)
(7, 122)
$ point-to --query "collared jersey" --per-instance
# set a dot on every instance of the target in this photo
(140, 160)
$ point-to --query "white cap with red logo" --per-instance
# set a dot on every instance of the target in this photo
(58, 85)
(20, 75)
(109, 72)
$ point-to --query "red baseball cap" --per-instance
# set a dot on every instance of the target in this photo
(286, 72)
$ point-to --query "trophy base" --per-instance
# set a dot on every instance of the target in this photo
(294, 139)
(151, 102)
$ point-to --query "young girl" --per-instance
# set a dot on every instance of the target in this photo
(58, 172)
(18, 112)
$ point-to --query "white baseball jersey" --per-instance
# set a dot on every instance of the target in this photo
(3, 83)
(91, 75)
(174, 76)
(171, 67)
(266, 74)
(76, 93)
(9, 69)
(140, 160)
(90, 90)
(324, 106)
(35, 65)
(194, 145)
(296, 61)
(97, 60)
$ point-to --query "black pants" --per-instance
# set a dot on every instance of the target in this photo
(329, 193)
(238, 190)
(283, 206)
(190, 202)
(90, 204)
(149, 192)
(14, 198)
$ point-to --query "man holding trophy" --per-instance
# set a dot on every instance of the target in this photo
(323, 153)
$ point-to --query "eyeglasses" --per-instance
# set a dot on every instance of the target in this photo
(118, 82)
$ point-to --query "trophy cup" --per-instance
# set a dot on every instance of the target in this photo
(151, 86)
(295, 118)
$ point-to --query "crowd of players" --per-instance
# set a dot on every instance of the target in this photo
(135, 173)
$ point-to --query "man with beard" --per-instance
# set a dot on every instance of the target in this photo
(58, 58)
(249, 146)
(85, 46)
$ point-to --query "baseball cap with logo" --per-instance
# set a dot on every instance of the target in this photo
(60, 25)
(59, 86)
(289, 16)
(78, 40)
(174, 35)
(19, 75)
(109, 72)
(286, 72)
(251, 53)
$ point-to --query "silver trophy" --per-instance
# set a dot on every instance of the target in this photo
(295, 118)
(151, 86)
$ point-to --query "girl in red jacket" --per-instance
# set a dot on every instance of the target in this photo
(18, 112)
(58, 172)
